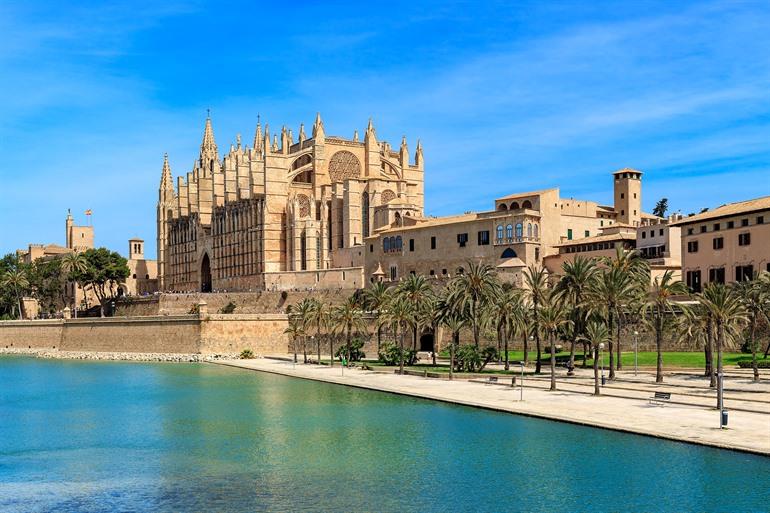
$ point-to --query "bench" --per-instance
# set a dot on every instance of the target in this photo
(492, 379)
(660, 398)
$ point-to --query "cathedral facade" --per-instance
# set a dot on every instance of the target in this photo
(284, 213)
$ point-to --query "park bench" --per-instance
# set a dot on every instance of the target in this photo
(660, 398)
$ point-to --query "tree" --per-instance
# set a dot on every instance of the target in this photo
(574, 284)
(47, 283)
(430, 315)
(399, 314)
(16, 281)
(552, 315)
(596, 334)
(695, 325)
(73, 265)
(536, 280)
(475, 288)
(660, 207)
(375, 299)
(303, 311)
(508, 310)
(296, 331)
(659, 306)
(728, 313)
(320, 315)
(104, 272)
(415, 290)
(453, 318)
(347, 317)
(756, 300)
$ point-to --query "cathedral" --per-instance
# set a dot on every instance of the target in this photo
(282, 214)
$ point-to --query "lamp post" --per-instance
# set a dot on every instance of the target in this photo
(722, 412)
(636, 351)
(312, 343)
(601, 357)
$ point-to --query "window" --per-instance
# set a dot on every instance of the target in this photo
(537, 235)
(622, 212)
(519, 230)
(588, 233)
(462, 239)
(509, 232)
(385, 245)
(703, 228)
(718, 243)
(537, 254)
(661, 232)
(134, 275)
(433, 242)
(744, 222)
(499, 232)
(411, 244)
(744, 272)
(484, 238)
(644, 235)
(443, 271)
(529, 230)
(371, 248)
(717, 275)
(398, 243)
(761, 220)
(569, 234)
(622, 195)
(744, 239)
(432, 272)
(693, 281)
(460, 271)
(716, 227)
(689, 231)
(393, 273)
(730, 224)
(692, 246)
(652, 233)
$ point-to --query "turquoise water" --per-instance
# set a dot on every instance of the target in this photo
(88, 437)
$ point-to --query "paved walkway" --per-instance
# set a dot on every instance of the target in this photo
(691, 422)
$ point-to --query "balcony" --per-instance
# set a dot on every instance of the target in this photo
(515, 240)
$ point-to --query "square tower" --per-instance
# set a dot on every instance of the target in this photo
(135, 249)
(628, 196)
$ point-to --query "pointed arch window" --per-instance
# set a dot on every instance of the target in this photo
(537, 235)
(385, 244)
(529, 230)
(519, 230)
(365, 214)
(499, 232)
(509, 231)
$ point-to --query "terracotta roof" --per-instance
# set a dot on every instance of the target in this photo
(512, 263)
(523, 194)
(597, 238)
(730, 209)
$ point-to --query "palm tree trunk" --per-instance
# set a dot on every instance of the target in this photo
(710, 344)
(452, 355)
(767, 350)
(585, 355)
(433, 328)
(414, 337)
(331, 350)
(304, 349)
(294, 347)
(612, 359)
(752, 342)
(318, 344)
(505, 344)
(379, 338)
(347, 346)
(597, 390)
(720, 339)
(573, 342)
(401, 352)
(538, 364)
(526, 348)
(659, 346)
(620, 321)
(553, 363)
(475, 322)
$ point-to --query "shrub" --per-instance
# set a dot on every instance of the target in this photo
(469, 358)
(228, 308)
(557, 347)
(194, 309)
(390, 354)
(247, 354)
(356, 354)
(761, 364)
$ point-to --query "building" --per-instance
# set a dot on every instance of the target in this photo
(730, 243)
(143, 274)
(282, 214)
(532, 228)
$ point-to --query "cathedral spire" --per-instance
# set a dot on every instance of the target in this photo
(302, 135)
(209, 146)
(404, 153)
(258, 136)
(418, 158)
(166, 180)
(318, 127)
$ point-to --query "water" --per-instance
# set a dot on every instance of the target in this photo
(94, 436)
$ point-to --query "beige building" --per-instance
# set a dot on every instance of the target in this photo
(143, 274)
(281, 214)
(523, 229)
(730, 243)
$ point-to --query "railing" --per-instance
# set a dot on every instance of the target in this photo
(515, 240)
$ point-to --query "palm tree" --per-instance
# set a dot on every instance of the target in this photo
(375, 299)
(605, 296)
(552, 316)
(319, 316)
(756, 300)
(345, 318)
(596, 334)
(416, 291)
(16, 280)
(304, 313)
(454, 319)
(578, 277)
(72, 265)
(399, 314)
(430, 315)
(727, 312)
(659, 305)
(296, 331)
(508, 310)
(636, 268)
(536, 280)
(475, 288)
(695, 325)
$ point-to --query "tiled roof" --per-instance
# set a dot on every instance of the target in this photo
(597, 238)
(524, 194)
(730, 209)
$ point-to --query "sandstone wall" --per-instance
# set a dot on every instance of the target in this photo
(179, 334)
(43, 334)
(233, 333)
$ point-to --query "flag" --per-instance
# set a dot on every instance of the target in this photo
(89, 212)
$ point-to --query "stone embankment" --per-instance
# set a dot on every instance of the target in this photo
(116, 356)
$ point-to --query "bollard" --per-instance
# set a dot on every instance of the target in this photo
(724, 418)
(513, 381)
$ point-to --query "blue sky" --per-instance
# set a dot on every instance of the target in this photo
(506, 97)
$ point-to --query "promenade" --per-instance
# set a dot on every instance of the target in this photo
(624, 405)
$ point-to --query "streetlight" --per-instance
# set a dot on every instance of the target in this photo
(601, 356)
(722, 412)
(636, 351)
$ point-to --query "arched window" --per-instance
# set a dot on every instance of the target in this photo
(526, 204)
(398, 243)
(515, 205)
(536, 232)
(529, 230)
(508, 253)
(386, 244)
(519, 229)
(392, 243)
(509, 231)
(303, 251)
(398, 219)
(365, 214)
(502, 206)
(499, 232)
(460, 270)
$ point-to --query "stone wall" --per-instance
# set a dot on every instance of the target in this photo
(178, 334)
(42, 334)
(221, 333)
